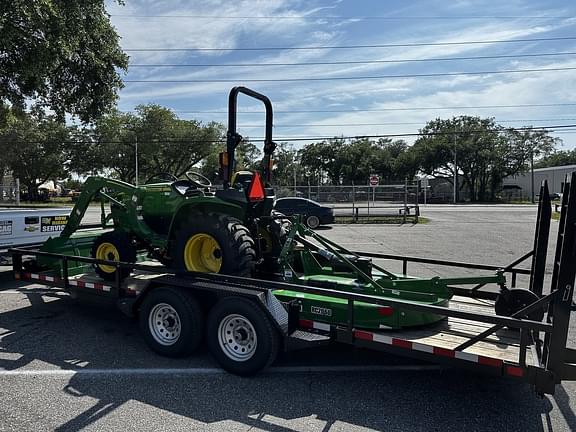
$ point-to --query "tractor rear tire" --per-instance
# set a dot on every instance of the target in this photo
(214, 243)
(113, 246)
(171, 322)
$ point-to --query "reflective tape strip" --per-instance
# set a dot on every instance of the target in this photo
(314, 325)
(515, 371)
(461, 355)
(439, 351)
(421, 347)
(72, 282)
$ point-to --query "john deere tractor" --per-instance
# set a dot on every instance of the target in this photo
(182, 222)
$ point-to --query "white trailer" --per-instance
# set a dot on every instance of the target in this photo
(30, 226)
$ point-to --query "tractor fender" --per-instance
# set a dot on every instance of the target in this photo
(204, 206)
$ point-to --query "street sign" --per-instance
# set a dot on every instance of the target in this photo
(374, 180)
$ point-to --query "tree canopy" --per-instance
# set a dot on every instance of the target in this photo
(345, 162)
(483, 152)
(165, 144)
(34, 149)
(558, 158)
(61, 54)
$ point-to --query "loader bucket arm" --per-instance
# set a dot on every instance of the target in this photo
(92, 186)
(233, 138)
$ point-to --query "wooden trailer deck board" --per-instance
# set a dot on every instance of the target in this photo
(503, 344)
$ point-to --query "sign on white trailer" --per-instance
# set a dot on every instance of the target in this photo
(19, 227)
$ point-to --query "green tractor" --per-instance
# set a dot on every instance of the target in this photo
(182, 223)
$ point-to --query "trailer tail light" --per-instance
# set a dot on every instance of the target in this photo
(256, 192)
(385, 311)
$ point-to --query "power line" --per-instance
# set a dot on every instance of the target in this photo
(355, 78)
(343, 17)
(350, 62)
(320, 138)
(398, 123)
(385, 109)
(565, 127)
(411, 44)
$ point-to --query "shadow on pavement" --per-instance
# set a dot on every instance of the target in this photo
(66, 334)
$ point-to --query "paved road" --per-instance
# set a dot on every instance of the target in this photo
(123, 386)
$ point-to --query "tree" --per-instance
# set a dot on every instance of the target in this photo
(485, 152)
(166, 144)
(559, 158)
(321, 160)
(286, 166)
(61, 54)
(35, 149)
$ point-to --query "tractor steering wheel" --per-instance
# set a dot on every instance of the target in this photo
(163, 176)
(203, 183)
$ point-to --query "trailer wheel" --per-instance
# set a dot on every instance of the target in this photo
(113, 246)
(312, 222)
(241, 337)
(214, 244)
(171, 322)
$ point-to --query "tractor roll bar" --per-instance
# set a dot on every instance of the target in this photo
(233, 138)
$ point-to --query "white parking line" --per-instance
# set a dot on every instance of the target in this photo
(212, 371)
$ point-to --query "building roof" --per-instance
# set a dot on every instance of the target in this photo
(563, 167)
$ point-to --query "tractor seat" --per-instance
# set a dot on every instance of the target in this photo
(185, 188)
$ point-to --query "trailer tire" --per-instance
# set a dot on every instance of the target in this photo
(171, 322)
(113, 246)
(241, 337)
(214, 243)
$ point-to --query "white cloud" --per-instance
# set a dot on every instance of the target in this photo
(385, 93)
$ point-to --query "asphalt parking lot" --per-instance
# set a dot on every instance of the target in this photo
(67, 366)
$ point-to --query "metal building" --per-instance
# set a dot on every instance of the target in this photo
(556, 177)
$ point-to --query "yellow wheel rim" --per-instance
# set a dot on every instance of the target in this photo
(202, 253)
(107, 251)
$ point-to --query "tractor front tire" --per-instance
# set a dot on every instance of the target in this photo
(113, 246)
(214, 243)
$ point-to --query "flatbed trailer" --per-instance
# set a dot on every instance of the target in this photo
(471, 336)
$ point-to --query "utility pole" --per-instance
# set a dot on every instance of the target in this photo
(136, 160)
(455, 184)
(532, 174)
(294, 166)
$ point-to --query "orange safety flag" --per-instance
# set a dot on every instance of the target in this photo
(256, 192)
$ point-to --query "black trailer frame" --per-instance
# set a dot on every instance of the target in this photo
(541, 361)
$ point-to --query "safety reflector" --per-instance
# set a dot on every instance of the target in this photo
(256, 192)
(385, 311)
(223, 159)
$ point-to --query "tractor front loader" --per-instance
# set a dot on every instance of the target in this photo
(182, 223)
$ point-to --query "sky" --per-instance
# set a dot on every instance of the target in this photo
(320, 100)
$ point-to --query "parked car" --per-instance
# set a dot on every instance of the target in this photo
(314, 214)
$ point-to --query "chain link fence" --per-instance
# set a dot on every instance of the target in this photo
(9, 191)
(363, 203)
